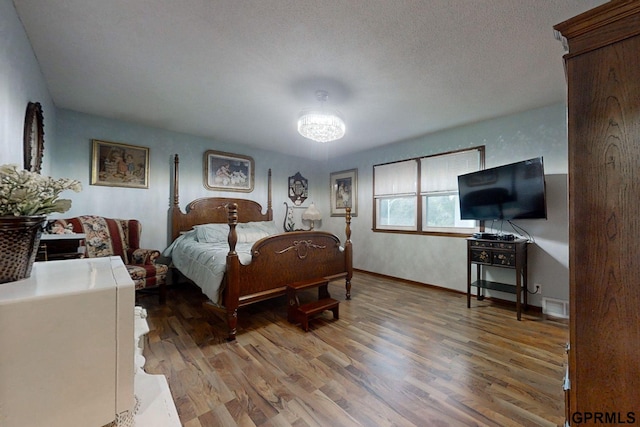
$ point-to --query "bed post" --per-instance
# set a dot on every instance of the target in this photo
(269, 204)
(175, 213)
(348, 252)
(176, 163)
(232, 292)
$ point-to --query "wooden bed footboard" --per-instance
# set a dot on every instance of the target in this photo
(280, 260)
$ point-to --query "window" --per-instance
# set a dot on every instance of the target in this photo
(421, 195)
(395, 191)
(439, 190)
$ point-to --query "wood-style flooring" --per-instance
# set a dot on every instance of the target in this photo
(400, 355)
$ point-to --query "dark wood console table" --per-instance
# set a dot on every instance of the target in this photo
(498, 253)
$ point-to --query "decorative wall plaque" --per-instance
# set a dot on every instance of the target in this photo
(298, 189)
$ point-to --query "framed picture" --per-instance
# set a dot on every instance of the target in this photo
(228, 172)
(344, 192)
(119, 165)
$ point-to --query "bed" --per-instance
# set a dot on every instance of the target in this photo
(237, 256)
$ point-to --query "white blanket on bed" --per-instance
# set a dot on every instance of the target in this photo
(201, 254)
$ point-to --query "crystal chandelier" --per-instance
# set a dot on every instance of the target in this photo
(320, 125)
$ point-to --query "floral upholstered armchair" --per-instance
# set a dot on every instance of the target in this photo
(120, 237)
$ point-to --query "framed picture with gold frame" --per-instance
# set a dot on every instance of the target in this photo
(228, 172)
(344, 192)
(119, 165)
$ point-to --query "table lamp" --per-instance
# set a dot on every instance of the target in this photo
(312, 214)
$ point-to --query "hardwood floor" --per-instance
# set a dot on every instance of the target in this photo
(400, 355)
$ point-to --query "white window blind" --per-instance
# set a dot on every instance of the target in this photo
(396, 179)
(440, 173)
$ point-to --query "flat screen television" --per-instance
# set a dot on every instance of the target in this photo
(513, 191)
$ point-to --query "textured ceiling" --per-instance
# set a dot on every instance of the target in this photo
(241, 71)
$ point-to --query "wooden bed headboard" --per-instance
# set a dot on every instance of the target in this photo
(209, 210)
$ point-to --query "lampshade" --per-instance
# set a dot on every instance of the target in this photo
(320, 125)
(312, 213)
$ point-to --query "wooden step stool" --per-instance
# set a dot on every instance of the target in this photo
(298, 313)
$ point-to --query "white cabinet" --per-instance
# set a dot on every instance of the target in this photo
(66, 345)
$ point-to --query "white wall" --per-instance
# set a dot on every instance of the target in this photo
(441, 261)
(21, 82)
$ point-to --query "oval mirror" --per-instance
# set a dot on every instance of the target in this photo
(33, 137)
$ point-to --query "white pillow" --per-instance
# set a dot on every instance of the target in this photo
(212, 233)
(249, 232)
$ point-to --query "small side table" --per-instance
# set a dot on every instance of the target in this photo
(61, 246)
(511, 254)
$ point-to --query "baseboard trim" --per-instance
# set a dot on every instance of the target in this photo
(530, 307)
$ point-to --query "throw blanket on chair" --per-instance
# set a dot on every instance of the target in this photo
(120, 237)
(107, 237)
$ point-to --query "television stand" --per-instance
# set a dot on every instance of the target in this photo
(510, 254)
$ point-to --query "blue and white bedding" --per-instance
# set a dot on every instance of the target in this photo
(201, 254)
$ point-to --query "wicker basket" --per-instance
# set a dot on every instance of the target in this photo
(19, 241)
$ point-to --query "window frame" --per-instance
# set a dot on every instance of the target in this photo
(419, 195)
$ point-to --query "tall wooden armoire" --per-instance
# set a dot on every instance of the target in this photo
(603, 76)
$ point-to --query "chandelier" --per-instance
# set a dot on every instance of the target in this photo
(320, 125)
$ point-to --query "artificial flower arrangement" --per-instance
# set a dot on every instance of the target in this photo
(25, 193)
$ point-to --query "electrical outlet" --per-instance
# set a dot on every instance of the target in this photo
(537, 289)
